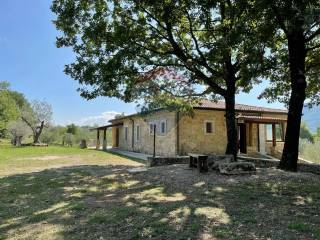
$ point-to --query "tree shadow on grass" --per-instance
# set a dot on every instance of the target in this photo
(172, 202)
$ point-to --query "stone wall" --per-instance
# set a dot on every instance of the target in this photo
(262, 163)
(160, 161)
(165, 143)
(192, 136)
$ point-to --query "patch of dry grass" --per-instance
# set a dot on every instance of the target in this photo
(93, 196)
(33, 159)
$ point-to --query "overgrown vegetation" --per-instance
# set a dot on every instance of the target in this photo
(309, 150)
(309, 144)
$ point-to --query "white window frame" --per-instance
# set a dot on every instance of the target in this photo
(126, 133)
(165, 127)
(205, 126)
(138, 133)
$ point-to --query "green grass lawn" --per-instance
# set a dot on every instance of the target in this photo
(68, 193)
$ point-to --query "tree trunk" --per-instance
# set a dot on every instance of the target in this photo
(297, 54)
(16, 141)
(232, 134)
(37, 133)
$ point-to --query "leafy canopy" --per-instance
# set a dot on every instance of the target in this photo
(283, 18)
(120, 46)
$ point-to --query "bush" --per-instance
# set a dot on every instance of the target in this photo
(53, 135)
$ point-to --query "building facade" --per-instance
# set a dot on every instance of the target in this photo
(171, 133)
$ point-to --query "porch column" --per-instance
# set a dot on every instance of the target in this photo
(104, 139)
(262, 138)
(98, 140)
(274, 139)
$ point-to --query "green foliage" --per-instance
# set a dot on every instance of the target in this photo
(162, 52)
(18, 130)
(305, 133)
(8, 109)
(4, 85)
(68, 140)
(53, 135)
(63, 135)
(72, 129)
(11, 103)
(132, 50)
(317, 135)
(284, 18)
(309, 151)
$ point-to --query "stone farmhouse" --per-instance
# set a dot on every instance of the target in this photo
(171, 133)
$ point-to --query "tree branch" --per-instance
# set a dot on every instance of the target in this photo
(279, 19)
(313, 35)
(205, 92)
(310, 28)
(186, 59)
(28, 123)
(312, 48)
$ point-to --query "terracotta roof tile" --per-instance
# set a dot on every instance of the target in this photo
(239, 107)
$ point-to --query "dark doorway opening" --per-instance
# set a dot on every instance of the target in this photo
(117, 137)
(243, 138)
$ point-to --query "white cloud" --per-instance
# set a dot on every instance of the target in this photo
(99, 120)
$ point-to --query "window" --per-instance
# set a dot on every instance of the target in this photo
(208, 127)
(126, 133)
(163, 127)
(138, 132)
(269, 132)
(151, 128)
(279, 132)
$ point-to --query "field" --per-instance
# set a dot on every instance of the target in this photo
(68, 193)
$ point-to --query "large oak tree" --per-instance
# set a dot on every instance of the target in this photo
(211, 43)
(295, 63)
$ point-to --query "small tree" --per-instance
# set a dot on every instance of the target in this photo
(72, 129)
(18, 131)
(305, 133)
(67, 140)
(37, 117)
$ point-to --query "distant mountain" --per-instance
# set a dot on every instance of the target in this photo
(311, 116)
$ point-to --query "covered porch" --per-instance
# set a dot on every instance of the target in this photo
(262, 134)
(102, 135)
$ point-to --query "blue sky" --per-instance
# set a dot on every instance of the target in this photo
(30, 61)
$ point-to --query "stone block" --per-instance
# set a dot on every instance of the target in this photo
(215, 160)
(232, 168)
(160, 161)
